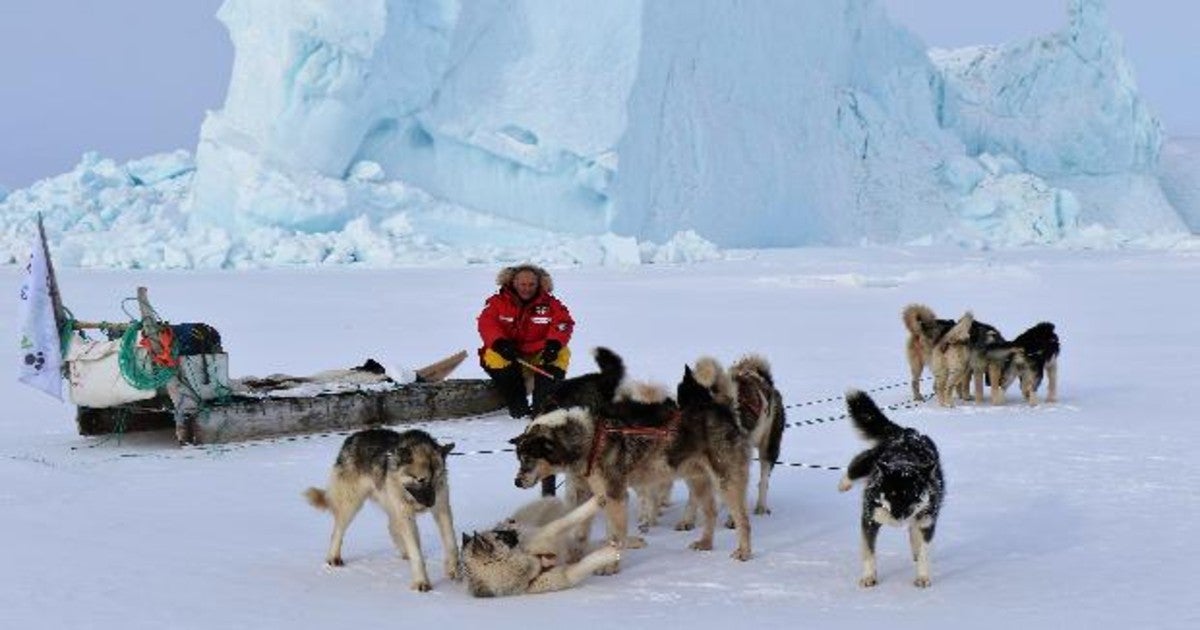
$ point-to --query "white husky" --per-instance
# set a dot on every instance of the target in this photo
(528, 552)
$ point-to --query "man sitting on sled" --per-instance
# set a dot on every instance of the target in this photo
(525, 332)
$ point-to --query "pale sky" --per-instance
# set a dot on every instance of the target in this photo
(129, 78)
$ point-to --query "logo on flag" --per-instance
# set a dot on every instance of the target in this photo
(40, 345)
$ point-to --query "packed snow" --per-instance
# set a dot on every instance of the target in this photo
(1075, 514)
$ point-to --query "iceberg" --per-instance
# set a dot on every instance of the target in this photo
(1066, 107)
(402, 132)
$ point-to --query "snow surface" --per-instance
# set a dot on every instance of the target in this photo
(1076, 515)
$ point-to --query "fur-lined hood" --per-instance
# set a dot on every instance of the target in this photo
(506, 275)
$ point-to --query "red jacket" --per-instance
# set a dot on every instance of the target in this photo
(530, 325)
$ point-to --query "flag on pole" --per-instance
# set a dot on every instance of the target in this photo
(41, 347)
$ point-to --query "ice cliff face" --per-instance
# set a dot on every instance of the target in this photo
(755, 124)
(509, 107)
(1066, 108)
(783, 123)
(390, 132)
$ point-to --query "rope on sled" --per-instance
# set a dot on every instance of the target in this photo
(153, 375)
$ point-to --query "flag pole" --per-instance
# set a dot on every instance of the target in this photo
(51, 279)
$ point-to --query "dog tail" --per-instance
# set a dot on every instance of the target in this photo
(316, 498)
(918, 318)
(712, 376)
(642, 392)
(960, 333)
(753, 364)
(612, 366)
(867, 418)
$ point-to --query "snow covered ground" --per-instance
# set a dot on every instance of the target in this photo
(1079, 515)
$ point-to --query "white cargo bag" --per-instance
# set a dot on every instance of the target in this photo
(94, 372)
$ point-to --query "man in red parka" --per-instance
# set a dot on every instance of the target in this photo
(524, 321)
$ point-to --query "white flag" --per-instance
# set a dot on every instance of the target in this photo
(41, 348)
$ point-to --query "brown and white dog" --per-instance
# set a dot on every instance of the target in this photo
(925, 330)
(640, 444)
(749, 388)
(405, 473)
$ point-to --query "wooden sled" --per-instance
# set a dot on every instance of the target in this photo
(216, 417)
(256, 414)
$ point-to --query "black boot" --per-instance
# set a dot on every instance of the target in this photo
(542, 385)
(510, 382)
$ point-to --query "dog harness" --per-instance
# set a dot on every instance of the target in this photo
(752, 401)
(602, 431)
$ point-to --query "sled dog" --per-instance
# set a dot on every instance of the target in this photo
(637, 444)
(1026, 358)
(528, 552)
(586, 390)
(950, 360)
(904, 484)
(925, 330)
(761, 415)
(749, 388)
(405, 473)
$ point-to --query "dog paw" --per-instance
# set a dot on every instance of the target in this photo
(609, 554)
(685, 526)
(867, 581)
(644, 528)
(729, 524)
(701, 545)
(845, 484)
(761, 510)
(634, 542)
(612, 568)
(453, 572)
(741, 554)
(922, 581)
(422, 586)
(335, 562)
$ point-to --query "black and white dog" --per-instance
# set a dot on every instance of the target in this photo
(1026, 358)
(904, 484)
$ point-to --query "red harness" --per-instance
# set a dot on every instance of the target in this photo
(602, 431)
(751, 400)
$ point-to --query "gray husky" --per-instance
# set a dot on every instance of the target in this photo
(528, 552)
(405, 473)
(904, 484)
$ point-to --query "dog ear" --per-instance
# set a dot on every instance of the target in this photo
(466, 540)
(517, 440)
(446, 449)
(508, 537)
